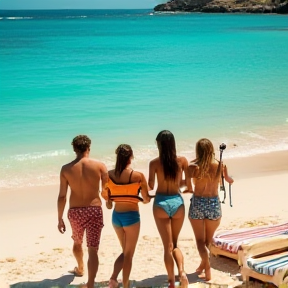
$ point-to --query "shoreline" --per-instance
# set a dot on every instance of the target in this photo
(240, 167)
(33, 249)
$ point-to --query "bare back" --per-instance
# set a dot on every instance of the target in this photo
(206, 186)
(83, 176)
(166, 186)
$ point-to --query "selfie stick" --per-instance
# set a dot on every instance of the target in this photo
(230, 198)
(222, 147)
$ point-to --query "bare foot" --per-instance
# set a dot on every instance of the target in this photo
(206, 275)
(200, 269)
(77, 272)
(184, 280)
(113, 283)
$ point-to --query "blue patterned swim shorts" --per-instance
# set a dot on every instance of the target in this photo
(205, 208)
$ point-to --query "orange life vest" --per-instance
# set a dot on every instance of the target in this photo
(122, 192)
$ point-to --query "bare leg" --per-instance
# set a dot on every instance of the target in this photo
(118, 264)
(198, 227)
(176, 225)
(131, 238)
(163, 223)
(78, 254)
(210, 228)
(204, 231)
(92, 264)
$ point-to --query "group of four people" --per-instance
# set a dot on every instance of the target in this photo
(122, 186)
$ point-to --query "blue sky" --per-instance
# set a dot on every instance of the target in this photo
(78, 4)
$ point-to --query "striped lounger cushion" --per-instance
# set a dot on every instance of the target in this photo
(231, 240)
(269, 264)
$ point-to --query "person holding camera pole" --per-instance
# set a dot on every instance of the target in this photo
(205, 207)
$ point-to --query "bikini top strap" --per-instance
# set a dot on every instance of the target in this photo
(130, 177)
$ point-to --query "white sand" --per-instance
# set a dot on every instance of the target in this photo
(32, 249)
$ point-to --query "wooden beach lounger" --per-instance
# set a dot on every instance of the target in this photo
(265, 259)
(227, 243)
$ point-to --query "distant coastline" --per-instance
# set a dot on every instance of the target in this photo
(225, 6)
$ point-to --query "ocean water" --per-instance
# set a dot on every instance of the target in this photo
(121, 76)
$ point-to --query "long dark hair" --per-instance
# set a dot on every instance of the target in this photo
(123, 152)
(167, 154)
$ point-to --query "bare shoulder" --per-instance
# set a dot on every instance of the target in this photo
(182, 159)
(215, 164)
(137, 176)
(97, 163)
(67, 166)
(154, 162)
(111, 173)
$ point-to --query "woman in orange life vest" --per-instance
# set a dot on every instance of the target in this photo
(123, 187)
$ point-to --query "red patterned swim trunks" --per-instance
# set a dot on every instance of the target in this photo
(86, 218)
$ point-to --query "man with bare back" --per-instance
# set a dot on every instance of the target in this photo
(83, 175)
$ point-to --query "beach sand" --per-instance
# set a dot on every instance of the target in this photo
(33, 252)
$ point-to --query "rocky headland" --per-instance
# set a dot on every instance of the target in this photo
(225, 6)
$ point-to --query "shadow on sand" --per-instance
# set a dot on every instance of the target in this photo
(60, 282)
(224, 264)
(65, 280)
(159, 281)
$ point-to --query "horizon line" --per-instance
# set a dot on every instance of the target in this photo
(75, 9)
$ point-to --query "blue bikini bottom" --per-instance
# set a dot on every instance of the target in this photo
(170, 203)
(123, 219)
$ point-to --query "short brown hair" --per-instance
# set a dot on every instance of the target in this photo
(81, 143)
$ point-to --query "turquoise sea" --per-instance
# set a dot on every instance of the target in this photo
(121, 76)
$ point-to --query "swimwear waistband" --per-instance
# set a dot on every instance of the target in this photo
(165, 195)
(85, 207)
(205, 197)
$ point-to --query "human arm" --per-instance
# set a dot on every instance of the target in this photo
(61, 202)
(189, 173)
(144, 189)
(226, 175)
(103, 176)
(152, 172)
(187, 177)
(109, 204)
(104, 180)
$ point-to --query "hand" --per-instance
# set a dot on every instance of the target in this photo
(61, 226)
(188, 191)
(109, 204)
(146, 200)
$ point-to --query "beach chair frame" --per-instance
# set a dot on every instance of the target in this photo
(260, 248)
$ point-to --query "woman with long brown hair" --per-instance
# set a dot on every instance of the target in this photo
(205, 208)
(123, 188)
(168, 207)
